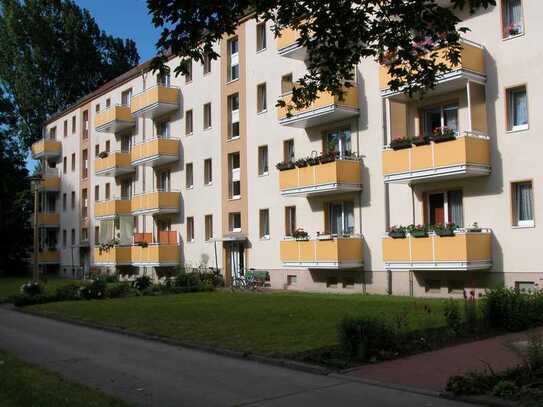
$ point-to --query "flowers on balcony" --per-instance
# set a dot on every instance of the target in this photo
(418, 230)
(442, 230)
(103, 154)
(285, 165)
(300, 234)
(441, 134)
(397, 232)
(312, 160)
(513, 29)
(400, 143)
(107, 246)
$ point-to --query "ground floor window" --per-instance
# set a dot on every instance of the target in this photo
(292, 279)
(432, 286)
(525, 286)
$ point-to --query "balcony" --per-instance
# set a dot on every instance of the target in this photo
(113, 208)
(48, 256)
(331, 253)
(50, 183)
(326, 109)
(114, 164)
(155, 152)
(46, 148)
(463, 251)
(465, 156)
(119, 255)
(155, 101)
(114, 119)
(342, 175)
(48, 219)
(287, 45)
(153, 255)
(470, 68)
(155, 203)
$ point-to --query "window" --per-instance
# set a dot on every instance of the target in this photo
(292, 279)
(162, 128)
(126, 96)
(53, 133)
(331, 282)
(525, 286)
(432, 286)
(208, 172)
(65, 128)
(207, 116)
(163, 182)
(85, 163)
(73, 162)
(96, 150)
(208, 227)
(97, 235)
(73, 124)
(190, 229)
(261, 36)
(97, 193)
(234, 222)
(108, 103)
(108, 146)
(264, 217)
(234, 176)
(288, 150)
(233, 107)
(261, 102)
(456, 287)
(440, 117)
(84, 235)
(85, 124)
(188, 122)
(263, 160)
(233, 59)
(64, 199)
(64, 165)
(64, 239)
(206, 62)
(286, 83)
(341, 218)
(523, 204)
(73, 237)
(338, 141)
(517, 109)
(445, 207)
(72, 204)
(97, 108)
(163, 78)
(108, 191)
(188, 74)
(512, 18)
(85, 203)
(290, 220)
(189, 175)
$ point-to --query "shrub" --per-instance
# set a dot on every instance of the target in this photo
(534, 351)
(188, 280)
(471, 313)
(505, 389)
(142, 283)
(95, 290)
(212, 279)
(452, 316)
(512, 310)
(119, 290)
(69, 292)
(23, 300)
(471, 383)
(32, 289)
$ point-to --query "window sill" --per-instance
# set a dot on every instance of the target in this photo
(265, 238)
(191, 241)
(532, 226)
(518, 130)
(191, 187)
(208, 128)
(512, 37)
(189, 134)
(232, 139)
(235, 198)
(259, 51)
(232, 81)
(264, 174)
(208, 184)
(262, 112)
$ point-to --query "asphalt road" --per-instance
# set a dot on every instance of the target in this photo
(150, 373)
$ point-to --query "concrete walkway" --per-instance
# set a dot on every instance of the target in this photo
(431, 370)
(150, 373)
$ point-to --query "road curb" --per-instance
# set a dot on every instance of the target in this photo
(291, 364)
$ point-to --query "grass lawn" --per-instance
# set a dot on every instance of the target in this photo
(12, 285)
(24, 385)
(275, 324)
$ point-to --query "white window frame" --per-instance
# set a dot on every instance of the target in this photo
(234, 117)
(189, 185)
(233, 59)
(231, 224)
(261, 158)
(261, 33)
(442, 108)
(261, 212)
(235, 175)
(528, 223)
(510, 108)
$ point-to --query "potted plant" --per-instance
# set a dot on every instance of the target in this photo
(300, 234)
(106, 247)
(475, 228)
(328, 157)
(397, 232)
(301, 162)
(513, 29)
(103, 154)
(444, 230)
(421, 140)
(314, 160)
(418, 230)
(400, 143)
(143, 244)
(285, 165)
(441, 134)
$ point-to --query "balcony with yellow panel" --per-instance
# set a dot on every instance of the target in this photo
(288, 46)
(327, 108)
(155, 101)
(112, 209)
(114, 164)
(340, 175)
(113, 256)
(49, 219)
(325, 252)
(150, 255)
(157, 202)
(46, 148)
(157, 151)
(48, 256)
(471, 68)
(50, 181)
(463, 251)
(114, 119)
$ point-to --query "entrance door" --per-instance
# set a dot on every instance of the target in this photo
(236, 259)
(436, 203)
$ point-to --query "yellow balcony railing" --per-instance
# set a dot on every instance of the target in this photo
(153, 254)
(50, 183)
(471, 59)
(46, 148)
(463, 251)
(48, 256)
(155, 101)
(114, 119)
(326, 108)
(157, 151)
(462, 157)
(323, 254)
(332, 177)
(113, 208)
(48, 219)
(115, 255)
(114, 164)
(288, 38)
(155, 202)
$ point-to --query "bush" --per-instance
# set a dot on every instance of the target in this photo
(452, 316)
(23, 300)
(142, 283)
(32, 289)
(69, 292)
(505, 389)
(212, 279)
(190, 281)
(120, 290)
(471, 384)
(95, 290)
(511, 310)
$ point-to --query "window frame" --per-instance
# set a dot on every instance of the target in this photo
(207, 122)
(189, 175)
(189, 113)
(261, 37)
(190, 229)
(259, 108)
(510, 127)
(231, 224)
(208, 227)
(208, 171)
(262, 227)
(290, 221)
(261, 172)
(515, 222)
(504, 18)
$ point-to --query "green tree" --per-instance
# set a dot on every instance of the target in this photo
(336, 33)
(52, 53)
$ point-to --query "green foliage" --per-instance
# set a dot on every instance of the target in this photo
(534, 351)
(505, 389)
(364, 337)
(95, 290)
(142, 282)
(453, 316)
(120, 290)
(69, 292)
(512, 310)
(32, 289)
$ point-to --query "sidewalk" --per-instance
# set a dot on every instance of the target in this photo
(431, 370)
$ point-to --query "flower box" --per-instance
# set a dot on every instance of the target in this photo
(419, 233)
(397, 234)
(421, 141)
(400, 144)
(444, 232)
(283, 166)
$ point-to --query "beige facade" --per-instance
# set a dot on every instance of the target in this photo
(181, 171)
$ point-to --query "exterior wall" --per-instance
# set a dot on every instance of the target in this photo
(486, 199)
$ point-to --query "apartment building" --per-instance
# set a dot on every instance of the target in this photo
(152, 172)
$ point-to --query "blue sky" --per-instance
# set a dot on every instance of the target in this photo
(125, 19)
